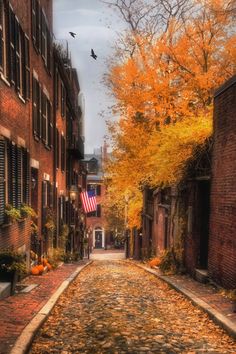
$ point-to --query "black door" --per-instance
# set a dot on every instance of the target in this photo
(98, 239)
(204, 205)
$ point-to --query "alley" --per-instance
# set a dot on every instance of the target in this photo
(115, 307)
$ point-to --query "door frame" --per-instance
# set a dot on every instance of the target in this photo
(98, 228)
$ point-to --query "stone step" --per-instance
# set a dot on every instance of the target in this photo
(5, 290)
(201, 275)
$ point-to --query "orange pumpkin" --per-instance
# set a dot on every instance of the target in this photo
(35, 271)
(40, 268)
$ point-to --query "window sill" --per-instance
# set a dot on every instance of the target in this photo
(5, 80)
(4, 226)
(21, 98)
(36, 138)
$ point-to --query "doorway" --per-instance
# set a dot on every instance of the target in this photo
(204, 214)
(98, 239)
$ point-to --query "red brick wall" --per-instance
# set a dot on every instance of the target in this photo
(222, 252)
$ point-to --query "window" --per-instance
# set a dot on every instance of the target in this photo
(4, 34)
(96, 214)
(41, 35)
(47, 200)
(14, 51)
(95, 187)
(42, 115)
(14, 176)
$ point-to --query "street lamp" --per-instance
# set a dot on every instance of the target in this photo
(73, 192)
(126, 227)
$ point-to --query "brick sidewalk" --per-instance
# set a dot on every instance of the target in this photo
(18, 310)
(216, 305)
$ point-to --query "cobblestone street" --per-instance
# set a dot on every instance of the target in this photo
(115, 307)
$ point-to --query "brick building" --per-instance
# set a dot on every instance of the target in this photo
(222, 241)
(40, 129)
(99, 236)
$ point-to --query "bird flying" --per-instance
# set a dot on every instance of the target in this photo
(72, 34)
(93, 55)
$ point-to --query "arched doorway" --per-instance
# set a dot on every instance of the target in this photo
(98, 238)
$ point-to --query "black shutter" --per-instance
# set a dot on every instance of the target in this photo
(38, 27)
(1, 34)
(44, 116)
(17, 55)
(12, 23)
(12, 197)
(27, 68)
(43, 36)
(49, 49)
(2, 180)
(23, 64)
(33, 18)
(26, 176)
(34, 102)
(98, 211)
(39, 111)
(19, 181)
(98, 189)
(50, 125)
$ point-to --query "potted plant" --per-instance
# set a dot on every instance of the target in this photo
(26, 211)
(12, 266)
(12, 213)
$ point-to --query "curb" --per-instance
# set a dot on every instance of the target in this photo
(215, 315)
(23, 342)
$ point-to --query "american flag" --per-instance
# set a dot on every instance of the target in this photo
(89, 201)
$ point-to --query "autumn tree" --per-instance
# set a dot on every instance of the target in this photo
(164, 94)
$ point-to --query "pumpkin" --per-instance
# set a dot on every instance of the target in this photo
(49, 266)
(154, 262)
(35, 271)
(40, 268)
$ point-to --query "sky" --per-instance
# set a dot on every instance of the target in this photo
(96, 26)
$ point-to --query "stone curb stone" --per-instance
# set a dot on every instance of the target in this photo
(215, 315)
(25, 339)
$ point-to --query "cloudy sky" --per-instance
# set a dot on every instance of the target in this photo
(96, 26)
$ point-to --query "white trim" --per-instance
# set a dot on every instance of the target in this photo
(98, 228)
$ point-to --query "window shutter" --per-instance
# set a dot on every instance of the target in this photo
(33, 19)
(56, 87)
(17, 55)
(38, 27)
(27, 68)
(50, 125)
(19, 181)
(39, 111)
(43, 37)
(12, 198)
(98, 189)
(12, 23)
(26, 176)
(44, 118)
(1, 34)
(98, 210)
(2, 180)
(49, 49)
(34, 102)
(23, 66)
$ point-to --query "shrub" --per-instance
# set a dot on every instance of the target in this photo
(12, 261)
(155, 262)
(13, 214)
